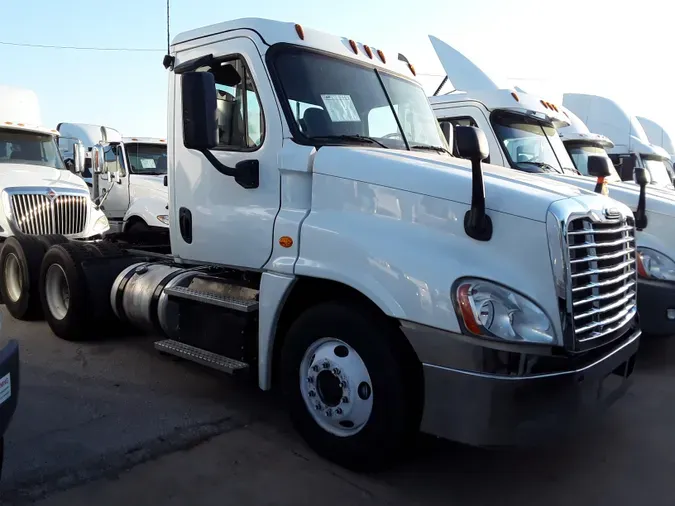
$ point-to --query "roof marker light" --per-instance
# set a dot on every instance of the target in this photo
(412, 69)
(515, 96)
(368, 51)
(354, 46)
(381, 55)
(301, 32)
(20, 124)
(545, 104)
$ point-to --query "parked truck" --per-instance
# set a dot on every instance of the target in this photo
(324, 239)
(631, 144)
(39, 196)
(521, 130)
(137, 203)
(658, 136)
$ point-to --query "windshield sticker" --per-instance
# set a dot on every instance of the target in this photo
(5, 388)
(148, 163)
(340, 108)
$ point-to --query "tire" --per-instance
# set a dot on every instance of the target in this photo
(20, 261)
(108, 249)
(49, 240)
(61, 273)
(392, 386)
(137, 229)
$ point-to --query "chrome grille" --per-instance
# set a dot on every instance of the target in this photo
(603, 279)
(35, 213)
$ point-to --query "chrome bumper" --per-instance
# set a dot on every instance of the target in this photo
(469, 400)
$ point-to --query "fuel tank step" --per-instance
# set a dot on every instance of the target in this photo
(200, 356)
(234, 303)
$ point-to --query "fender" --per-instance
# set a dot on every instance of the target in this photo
(148, 208)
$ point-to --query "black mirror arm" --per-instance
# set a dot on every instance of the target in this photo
(246, 173)
(477, 224)
(641, 213)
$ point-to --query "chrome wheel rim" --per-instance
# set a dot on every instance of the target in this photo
(13, 277)
(57, 291)
(336, 387)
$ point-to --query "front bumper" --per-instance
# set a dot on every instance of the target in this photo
(487, 409)
(654, 300)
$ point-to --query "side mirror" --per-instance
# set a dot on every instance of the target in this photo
(200, 130)
(471, 143)
(598, 166)
(448, 132)
(642, 176)
(97, 159)
(78, 157)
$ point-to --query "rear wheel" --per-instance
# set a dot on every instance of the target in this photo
(352, 386)
(20, 268)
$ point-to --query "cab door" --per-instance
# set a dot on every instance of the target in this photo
(117, 181)
(215, 219)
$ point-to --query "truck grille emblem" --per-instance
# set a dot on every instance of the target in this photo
(611, 213)
(51, 195)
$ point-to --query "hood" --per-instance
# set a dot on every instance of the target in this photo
(445, 177)
(658, 201)
(18, 174)
(151, 182)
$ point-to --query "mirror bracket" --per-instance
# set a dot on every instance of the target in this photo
(477, 224)
(246, 173)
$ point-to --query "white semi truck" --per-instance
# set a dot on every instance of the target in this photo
(40, 197)
(137, 201)
(631, 144)
(521, 130)
(324, 239)
(658, 136)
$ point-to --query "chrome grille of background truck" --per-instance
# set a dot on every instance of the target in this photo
(603, 279)
(49, 213)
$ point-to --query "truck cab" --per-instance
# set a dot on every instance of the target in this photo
(632, 147)
(324, 239)
(658, 136)
(131, 187)
(523, 133)
(39, 195)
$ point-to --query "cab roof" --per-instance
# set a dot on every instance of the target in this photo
(578, 132)
(144, 140)
(472, 83)
(29, 128)
(274, 32)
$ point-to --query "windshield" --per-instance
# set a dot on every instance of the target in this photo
(580, 154)
(148, 159)
(31, 148)
(338, 101)
(658, 171)
(532, 146)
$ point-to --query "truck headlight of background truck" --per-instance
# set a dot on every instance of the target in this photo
(101, 225)
(163, 218)
(493, 311)
(655, 265)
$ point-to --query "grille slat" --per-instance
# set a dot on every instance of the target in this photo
(35, 213)
(602, 277)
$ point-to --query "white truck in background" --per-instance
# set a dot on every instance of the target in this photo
(132, 189)
(324, 239)
(522, 131)
(40, 197)
(658, 136)
(631, 145)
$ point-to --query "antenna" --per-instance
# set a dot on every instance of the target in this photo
(168, 59)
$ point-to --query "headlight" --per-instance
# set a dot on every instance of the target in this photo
(655, 265)
(493, 311)
(164, 218)
(101, 225)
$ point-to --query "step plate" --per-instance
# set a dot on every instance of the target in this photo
(243, 305)
(200, 356)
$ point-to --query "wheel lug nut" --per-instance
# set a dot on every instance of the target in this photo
(338, 411)
(326, 365)
(312, 393)
(318, 406)
(329, 412)
(315, 368)
(345, 400)
(310, 379)
(342, 384)
(336, 371)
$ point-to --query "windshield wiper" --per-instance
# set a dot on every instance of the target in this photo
(426, 147)
(543, 165)
(359, 138)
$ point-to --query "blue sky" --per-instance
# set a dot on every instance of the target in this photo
(622, 50)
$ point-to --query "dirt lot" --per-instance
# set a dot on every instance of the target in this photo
(116, 423)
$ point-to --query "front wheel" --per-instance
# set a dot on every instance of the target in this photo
(352, 386)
